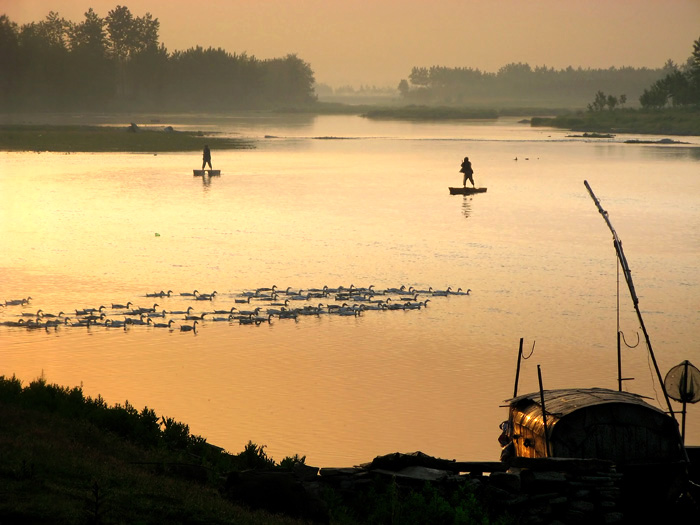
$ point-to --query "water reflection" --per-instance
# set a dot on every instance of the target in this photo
(206, 180)
(466, 206)
(676, 152)
(351, 211)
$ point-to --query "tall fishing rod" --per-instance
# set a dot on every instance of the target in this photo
(635, 300)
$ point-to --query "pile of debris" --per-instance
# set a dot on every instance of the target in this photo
(546, 490)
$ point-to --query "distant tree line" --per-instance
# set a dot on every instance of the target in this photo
(118, 63)
(520, 84)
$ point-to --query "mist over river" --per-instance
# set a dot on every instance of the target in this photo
(340, 201)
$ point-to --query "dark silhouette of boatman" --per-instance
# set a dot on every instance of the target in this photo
(206, 157)
(468, 172)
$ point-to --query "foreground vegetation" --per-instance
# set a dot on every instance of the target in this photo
(65, 458)
(68, 458)
(71, 139)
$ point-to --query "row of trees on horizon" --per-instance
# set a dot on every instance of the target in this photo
(534, 86)
(118, 63)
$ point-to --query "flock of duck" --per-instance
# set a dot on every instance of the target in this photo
(249, 307)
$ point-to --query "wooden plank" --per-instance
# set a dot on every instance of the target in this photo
(559, 464)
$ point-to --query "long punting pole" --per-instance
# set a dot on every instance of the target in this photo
(544, 413)
(635, 300)
(685, 387)
(517, 370)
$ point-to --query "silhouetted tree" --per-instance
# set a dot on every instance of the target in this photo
(91, 68)
(9, 60)
(654, 97)
(680, 86)
(288, 80)
(89, 38)
(130, 36)
(694, 69)
(599, 102)
(44, 72)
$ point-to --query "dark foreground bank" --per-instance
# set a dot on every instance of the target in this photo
(67, 458)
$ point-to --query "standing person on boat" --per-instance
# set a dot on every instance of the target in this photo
(206, 157)
(468, 172)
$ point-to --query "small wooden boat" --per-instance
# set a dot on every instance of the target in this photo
(206, 172)
(465, 190)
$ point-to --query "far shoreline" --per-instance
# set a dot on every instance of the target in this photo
(110, 139)
(70, 132)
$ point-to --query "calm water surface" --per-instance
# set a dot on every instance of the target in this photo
(342, 201)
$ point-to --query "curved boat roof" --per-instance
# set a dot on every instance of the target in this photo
(560, 403)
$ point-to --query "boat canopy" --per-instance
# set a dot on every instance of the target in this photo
(593, 423)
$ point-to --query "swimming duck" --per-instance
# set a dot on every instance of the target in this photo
(116, 306)
(181, 312)
(161, 325)
(188, 328)
(223, 311)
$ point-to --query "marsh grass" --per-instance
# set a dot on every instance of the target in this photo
(431, 113)
(425, 112)
(70, 139)
(672, 121)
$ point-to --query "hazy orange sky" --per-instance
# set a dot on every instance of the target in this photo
(377, 42)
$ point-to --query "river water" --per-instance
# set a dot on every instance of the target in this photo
(345, 201)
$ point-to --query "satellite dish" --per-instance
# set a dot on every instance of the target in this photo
(682, 383)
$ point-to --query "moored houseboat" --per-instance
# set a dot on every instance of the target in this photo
(642, 441)
(593, 423)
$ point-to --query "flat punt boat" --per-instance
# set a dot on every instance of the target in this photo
(466, 191)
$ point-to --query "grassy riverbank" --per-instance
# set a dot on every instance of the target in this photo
(73, 139)
(658, 122)
(69, 459)
(423, 112)
(671, 121)
(426, 113)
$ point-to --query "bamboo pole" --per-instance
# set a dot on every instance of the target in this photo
(635, 300)
(684, 394)
(544, 413)
(517, 369)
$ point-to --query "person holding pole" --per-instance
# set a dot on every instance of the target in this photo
(466, 168)
(206, 157)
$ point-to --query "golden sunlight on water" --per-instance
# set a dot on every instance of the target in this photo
(369, 209)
